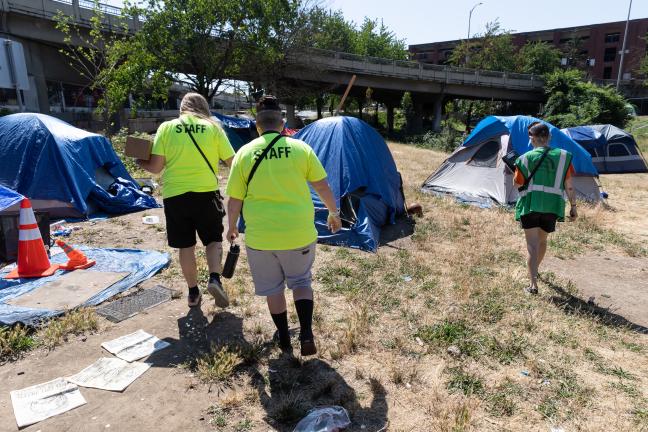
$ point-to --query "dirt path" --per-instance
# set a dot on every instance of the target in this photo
(616, 283)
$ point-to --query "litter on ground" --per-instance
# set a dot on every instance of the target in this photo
(36, 403)
(109, 374)
(150, 220)
(134, 346)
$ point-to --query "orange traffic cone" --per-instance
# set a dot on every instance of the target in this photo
(77, 261)
(32, 257)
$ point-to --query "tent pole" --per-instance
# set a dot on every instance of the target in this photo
(346, 93)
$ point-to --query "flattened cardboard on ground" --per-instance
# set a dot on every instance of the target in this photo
(138, 148)
(135, 346)
(36, 403)
(109, 374)
(68, 291)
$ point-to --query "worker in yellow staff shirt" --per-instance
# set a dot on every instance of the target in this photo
(269, 181)
(188, 149)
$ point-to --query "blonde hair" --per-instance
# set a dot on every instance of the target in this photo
(195, 104)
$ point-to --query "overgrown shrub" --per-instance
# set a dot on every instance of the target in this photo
(447, 140)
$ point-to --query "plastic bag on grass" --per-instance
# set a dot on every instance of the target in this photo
(324, 419)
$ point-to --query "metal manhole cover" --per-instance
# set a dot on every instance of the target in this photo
(126, 307)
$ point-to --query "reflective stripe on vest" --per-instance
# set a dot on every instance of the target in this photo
(560, 174)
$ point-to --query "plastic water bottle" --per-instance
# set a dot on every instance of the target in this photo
(231, 260)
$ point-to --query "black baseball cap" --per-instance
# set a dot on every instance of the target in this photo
(268, 103)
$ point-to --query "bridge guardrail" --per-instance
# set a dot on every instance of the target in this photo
(48, 9)
(409, 69)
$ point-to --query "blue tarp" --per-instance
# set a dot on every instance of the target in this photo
(517, 127)
(362, 174)
(8, 197)
(44, 158)
(141, 263)
(239, 131)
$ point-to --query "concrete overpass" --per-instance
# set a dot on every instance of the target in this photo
(31, 23)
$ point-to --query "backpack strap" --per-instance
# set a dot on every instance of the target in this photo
(197, 147)
(535, 169)
(261, 157)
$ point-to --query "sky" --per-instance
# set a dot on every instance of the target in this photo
(422, 21)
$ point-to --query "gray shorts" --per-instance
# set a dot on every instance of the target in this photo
(272, 270)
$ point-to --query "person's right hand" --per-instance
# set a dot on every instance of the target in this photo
(573, 213)
(232, 234)
(334, 223)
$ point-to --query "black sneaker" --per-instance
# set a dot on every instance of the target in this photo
(308, 347)
(531, 290)
(194, 300)
(215, 288)
(286, 346)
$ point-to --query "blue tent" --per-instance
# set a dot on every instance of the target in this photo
(363, 177)
(613, 150)
(64, 170)
(476, 174)
(517, 128)
(239, 131)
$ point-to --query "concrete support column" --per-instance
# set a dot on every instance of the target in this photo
(35, 68)
(291, 121)
(438, 113)
(76, 9)
(390, 118)
(319, 102)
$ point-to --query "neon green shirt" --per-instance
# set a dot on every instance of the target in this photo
(277, 207)
(185, 170)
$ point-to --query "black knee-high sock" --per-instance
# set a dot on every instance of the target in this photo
(305, 313)
(281, 321)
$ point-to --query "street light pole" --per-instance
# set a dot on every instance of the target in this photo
(470, 17)
(623, 49)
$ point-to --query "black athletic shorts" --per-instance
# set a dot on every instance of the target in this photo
(544, 221)
(192, 212)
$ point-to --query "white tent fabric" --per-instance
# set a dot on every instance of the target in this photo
(478, 174)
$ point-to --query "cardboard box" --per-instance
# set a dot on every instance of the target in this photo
(138, 148)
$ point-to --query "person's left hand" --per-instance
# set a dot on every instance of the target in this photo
(232, 234)
(334, 223)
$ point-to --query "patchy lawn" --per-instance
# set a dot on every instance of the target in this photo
(431, 333)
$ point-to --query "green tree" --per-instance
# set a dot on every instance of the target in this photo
(492, 50)
(538, 58)
(331, 31)
(407, 105)
(575, 53)
(201, 43)
(573, 102)
(87, 49)
(376, 40)
(643, 67)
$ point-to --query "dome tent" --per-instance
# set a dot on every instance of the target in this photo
(475, 172)
(239, 130)
(65, 171)
(363, 177)
(613, 150)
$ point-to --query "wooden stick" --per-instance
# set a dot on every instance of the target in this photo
(346, 93)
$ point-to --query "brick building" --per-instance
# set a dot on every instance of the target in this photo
(594, 48)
